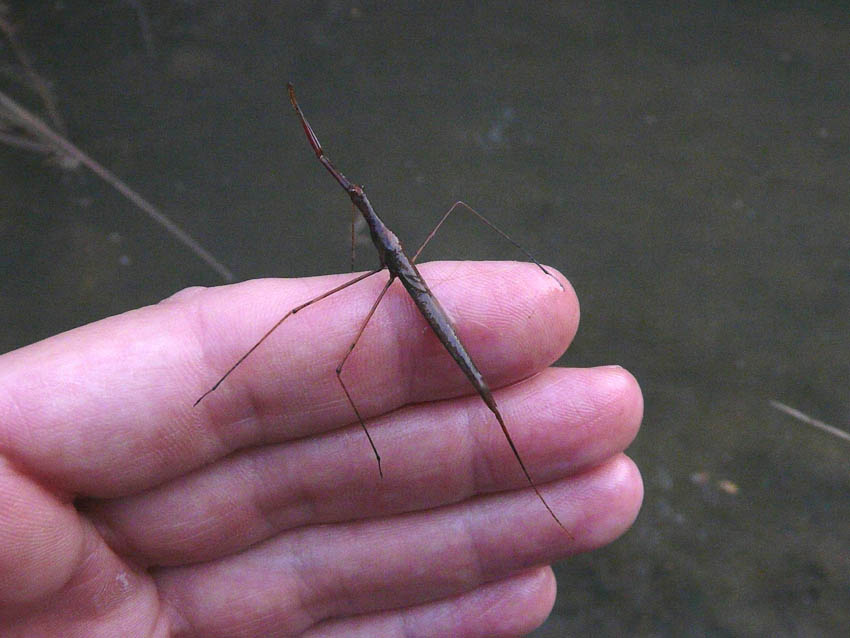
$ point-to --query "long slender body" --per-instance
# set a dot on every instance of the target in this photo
(400, 266)
(393, 257)
(396, 260)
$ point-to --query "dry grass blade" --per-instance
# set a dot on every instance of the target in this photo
(34, 80)
(805, 418)
(45, 136)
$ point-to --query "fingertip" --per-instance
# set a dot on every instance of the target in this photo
(534, 594)
(627, 483)
(622, 391)
(615, 495)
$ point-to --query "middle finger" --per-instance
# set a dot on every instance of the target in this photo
(563, 421)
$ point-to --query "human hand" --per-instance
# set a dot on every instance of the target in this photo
(124, 511)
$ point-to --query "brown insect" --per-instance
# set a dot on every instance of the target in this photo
(393, 257)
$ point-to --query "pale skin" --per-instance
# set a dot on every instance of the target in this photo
(126, 511)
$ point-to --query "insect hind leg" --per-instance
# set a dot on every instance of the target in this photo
(345, 358)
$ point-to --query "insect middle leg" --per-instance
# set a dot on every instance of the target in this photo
(345, 358)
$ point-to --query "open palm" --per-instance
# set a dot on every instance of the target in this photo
(124, 511)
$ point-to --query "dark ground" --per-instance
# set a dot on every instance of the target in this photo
(686, 167)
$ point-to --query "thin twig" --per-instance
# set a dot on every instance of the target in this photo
(41, 131)
(25, 143)
(805, 418)
(36, 82)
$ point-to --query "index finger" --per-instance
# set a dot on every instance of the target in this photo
(106, 409)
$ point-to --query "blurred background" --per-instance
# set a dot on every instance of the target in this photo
(684, 164)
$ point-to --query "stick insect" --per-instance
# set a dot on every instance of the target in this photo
(392, 256)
